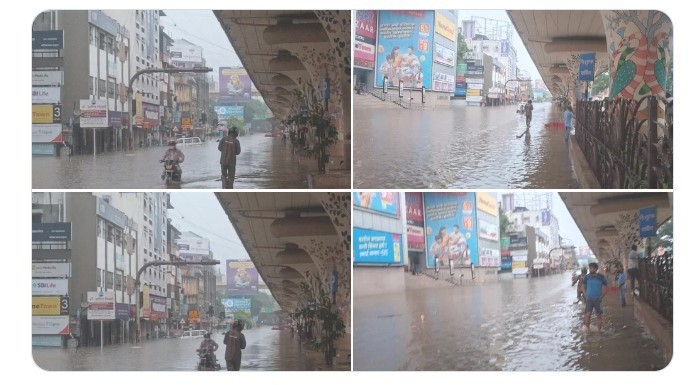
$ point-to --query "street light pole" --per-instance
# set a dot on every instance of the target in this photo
(160, 263)
(151, 71)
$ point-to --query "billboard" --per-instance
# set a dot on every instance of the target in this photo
(232, 305)
(364, 46)
(158, 306)
(504, 50)
(94, 113)
(545, 217)
(414, 208)
(46, 78)
(415, 236)
(50, 305)
(404, 48)
(450, 228)
(45, 95)
(241, 278)
(50, 270)
(376, 247)
(101, 305)
(444, 55)
(47, 39)
(59, 324)
(489, 231)
(185, 55)
(49, 286)
(192, 248)
(230, 112)
(445, 27)
(51, 232)
(490, 257)
(647, 222)
(235, 85)
(384, 202)
(486, 203)
(443, 82)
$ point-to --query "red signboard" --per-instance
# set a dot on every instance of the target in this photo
(366, 26)
(415, 237)
(414, 208)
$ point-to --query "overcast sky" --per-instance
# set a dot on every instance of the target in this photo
(201, 213)
(568, 229)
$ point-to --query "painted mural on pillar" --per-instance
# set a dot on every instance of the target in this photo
(337, 24)
(640, 44)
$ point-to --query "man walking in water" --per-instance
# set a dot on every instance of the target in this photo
(568, 117)
(595, 287)
(235, 342)
(528, 110)
(230, 148)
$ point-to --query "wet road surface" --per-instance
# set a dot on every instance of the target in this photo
(461, 147)
(263, 163)
(514, 325)
(266, 350)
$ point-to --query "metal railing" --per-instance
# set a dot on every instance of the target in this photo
(628, 144)
(656, 284)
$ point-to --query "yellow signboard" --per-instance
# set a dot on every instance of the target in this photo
(471, 92)
(193, 316)
(186, 123)
(49, 306)
(445, 27)
(518, 265)
(487, 203)
(42, 113)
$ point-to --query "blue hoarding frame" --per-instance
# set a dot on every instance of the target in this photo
(587, 63)
(368, 242)
(647, 222)
(465, 218)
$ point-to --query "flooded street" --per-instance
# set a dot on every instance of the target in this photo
(266, 350)
(512, 325)
(263, 163)
(461, 147)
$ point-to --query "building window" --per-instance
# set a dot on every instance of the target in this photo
(102, 88)
(91, 86)
(98, 277)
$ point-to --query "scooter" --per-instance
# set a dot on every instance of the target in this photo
(207, 361)
(171, 172)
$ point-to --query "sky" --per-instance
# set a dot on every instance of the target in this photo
(201, 213)
(523, 58)
(568, 229)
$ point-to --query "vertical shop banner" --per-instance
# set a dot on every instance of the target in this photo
(404, 48)
(384, 202)
(414, 208)
(364, 46)
(450, 228)
(376, 247)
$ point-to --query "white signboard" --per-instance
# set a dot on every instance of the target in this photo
(193, 246)
(474, 81)
(50, 270)
(474, 86)
(45, 95)
(94, 113)
(45, 133)
(59, 324)
(472, 98)
(46, 78)
(49, 287)
(101, 305)
(186, 53)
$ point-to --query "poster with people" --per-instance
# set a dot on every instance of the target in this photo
(384, 202)
(450, 220)
(241, 278)
(404, 50)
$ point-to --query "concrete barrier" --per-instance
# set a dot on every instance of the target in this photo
(661, 330)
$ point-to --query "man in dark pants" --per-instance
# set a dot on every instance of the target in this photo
(633, 266)
(230, 148)
(235, 342)
(528, 111)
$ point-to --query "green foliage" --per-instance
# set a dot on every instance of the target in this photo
(664, 235)
(246, 318)
(600, 83)
(462, 48)
(504, 222)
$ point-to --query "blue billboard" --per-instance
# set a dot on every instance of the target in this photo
(376, 247)
(384, 202)
(647, 222)
(405, 50)
(450, 228)
(230, 112)
(587, 63)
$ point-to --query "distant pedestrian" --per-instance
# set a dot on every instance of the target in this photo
(528, 110)
(230, 148)
(595, 287)
(622, 285)
(235, 342)
(579, 281)
(633, 266)
(569, 118)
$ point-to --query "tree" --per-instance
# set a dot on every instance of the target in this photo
(664, 235)
(462, 48)
(600, 83)
(504, 222)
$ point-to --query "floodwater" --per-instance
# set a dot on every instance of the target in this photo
(513, 325)
(461, 147)
(263, 163)
(266, 350)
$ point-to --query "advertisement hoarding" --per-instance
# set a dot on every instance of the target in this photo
(46, 78)
(50, 305)
(101, 305)
(57, 286)
(443, 82)
(364, 44)
(376, 247)
(445, 27)
(158, 306)
(415, 236)
(241, 278)
(545, 217)
(486, 203)
(487, 230)
(45, 95)
(384, 202)
(94, 113)
(504, 48)
(111, 214)
(193, 316)
(414, 208)
(235, 85)
(444, 55)
(51, 40)
(230, 112)
(184, 55)
(50, 270)
(54, 341)
(232, 305)
(59, 324)
(404, 48)
(450, 220)
(489, 256)
(647, 222)
(51, 232)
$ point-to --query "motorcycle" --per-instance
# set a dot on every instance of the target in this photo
(207, 361)
(171, 172)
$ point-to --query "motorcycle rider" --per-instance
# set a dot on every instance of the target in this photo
(175, 155)
(208, 347)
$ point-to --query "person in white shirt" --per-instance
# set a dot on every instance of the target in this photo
(633, 266)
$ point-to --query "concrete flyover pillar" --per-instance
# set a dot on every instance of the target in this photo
(640, 49)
